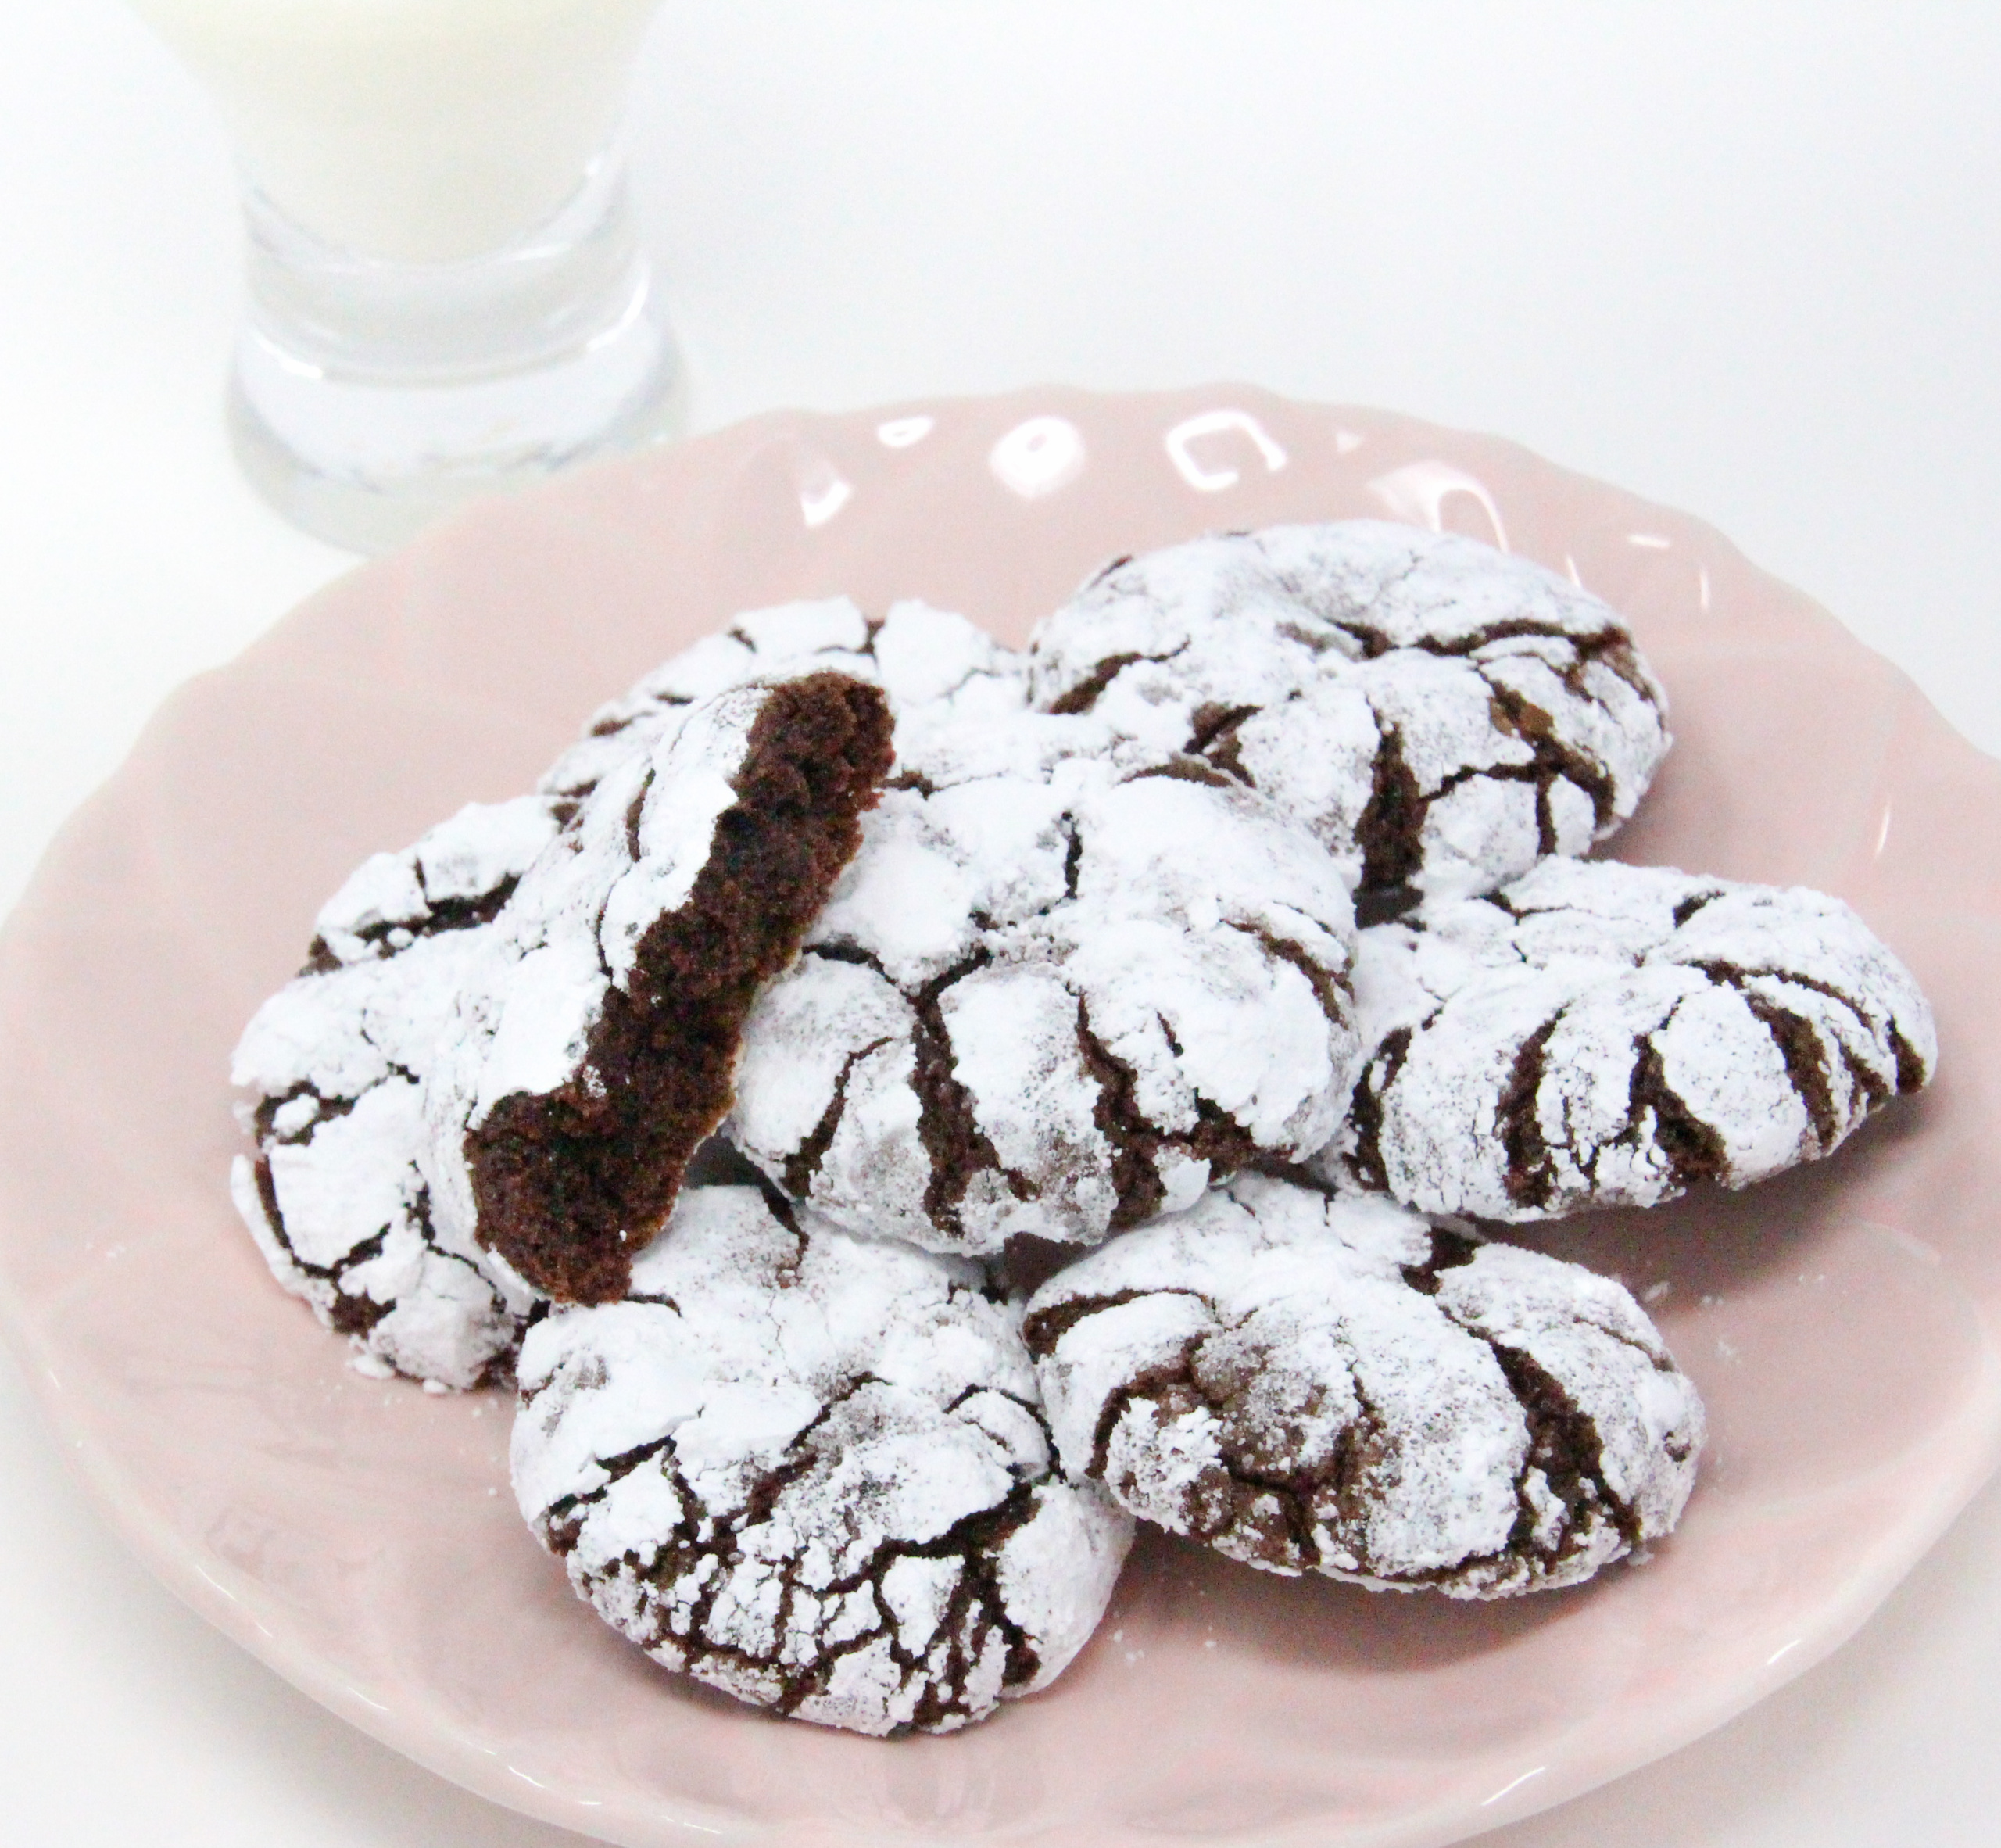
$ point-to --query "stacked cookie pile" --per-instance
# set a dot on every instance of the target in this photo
(899, 1108)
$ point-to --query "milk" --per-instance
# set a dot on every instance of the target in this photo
(416, 130)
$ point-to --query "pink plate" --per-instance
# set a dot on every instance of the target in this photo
(1841, 1323)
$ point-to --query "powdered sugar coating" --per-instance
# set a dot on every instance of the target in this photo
(1599, 1034)
(1440, 714)
(1308, 1384)
(335, 1062)
(1060, 987)
(812, 1470)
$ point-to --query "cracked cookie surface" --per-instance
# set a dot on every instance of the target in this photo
(1440, 714)
(812, 1470)
(1316, 1385)
(335, 1061)
(1060, 988)
(1598, 1034)
(593, 1044)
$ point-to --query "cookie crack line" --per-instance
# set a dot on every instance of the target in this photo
(1366, 1110)
(1806, 1066)
(803, 1162)
(334, 1273)
(1031, 1406)
(948, 1122)
(833, 951)
(1388, 832)
(1450, 1251)
(1086, 694)
(1655, 1112)
(1213, 736)
(1144, 1387)
(1333, 994)
(1531, 1178)
(326, 1109)
(1565, 1446)
(1138, 1191)
(1046, 1328)
(1695, 1150)
(442, 915)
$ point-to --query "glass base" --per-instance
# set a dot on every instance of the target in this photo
(367, 397)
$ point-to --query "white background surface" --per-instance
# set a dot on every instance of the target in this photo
(1745, 259)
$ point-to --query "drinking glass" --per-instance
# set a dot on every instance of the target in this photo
(447, 296)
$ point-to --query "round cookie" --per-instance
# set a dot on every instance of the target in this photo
(593, 1044)
(1059, 990)
(1329, 1385)
(1598, 1034)
(811, 1469)
(1440, 714)
(335, 1061)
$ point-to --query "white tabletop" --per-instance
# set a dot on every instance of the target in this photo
(1746, 260)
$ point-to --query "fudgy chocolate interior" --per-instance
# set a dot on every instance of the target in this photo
(571, 1184)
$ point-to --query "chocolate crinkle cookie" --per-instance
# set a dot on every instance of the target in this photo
(1061, 988)
(812, 1470)
(1598, 1034)
(335, 1063)
(590, 1049)
(1442, 715)
(1331, 1385)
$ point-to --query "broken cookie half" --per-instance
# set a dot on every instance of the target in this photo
(593, 1046)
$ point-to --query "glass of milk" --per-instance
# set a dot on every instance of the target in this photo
(447, 296)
